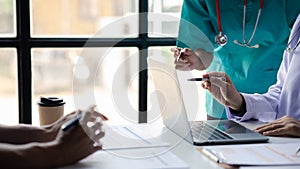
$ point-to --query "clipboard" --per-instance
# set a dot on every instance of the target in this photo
(268, 154)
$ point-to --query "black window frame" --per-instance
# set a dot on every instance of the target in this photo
(23, 42)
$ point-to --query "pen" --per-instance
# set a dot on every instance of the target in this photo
(71, 123)
(199, 79)
(298, 150)
(211, 155)
(178, 56)
(205, 79)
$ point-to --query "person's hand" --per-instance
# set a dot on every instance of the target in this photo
(78, 141)
(51, 130)
(284, 126)
(190, 60)
(92, 124)
(221, 87)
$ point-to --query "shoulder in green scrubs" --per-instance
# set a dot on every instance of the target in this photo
(252, 70)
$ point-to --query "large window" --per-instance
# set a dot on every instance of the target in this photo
(85, 51)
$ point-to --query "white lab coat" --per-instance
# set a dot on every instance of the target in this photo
(282, 98)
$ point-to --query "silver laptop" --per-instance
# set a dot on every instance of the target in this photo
(174, 115)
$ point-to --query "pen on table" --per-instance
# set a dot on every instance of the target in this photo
(211, 155)
(71, 123)
(205, 79)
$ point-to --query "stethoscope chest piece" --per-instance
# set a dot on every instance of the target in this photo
(221, 39)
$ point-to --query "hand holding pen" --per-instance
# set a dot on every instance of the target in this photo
(177, 53)
(78, 137)
(186, 59)
(221, 87)
(91, 122)
(76, 119)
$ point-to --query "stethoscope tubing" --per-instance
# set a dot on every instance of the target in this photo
(245, 43)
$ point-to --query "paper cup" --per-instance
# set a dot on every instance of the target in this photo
(50, 109)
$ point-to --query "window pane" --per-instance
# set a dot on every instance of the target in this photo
(8, 87)
(7, 18)
(164, 16)
(71, 18)
(107, 77)
(192, 93)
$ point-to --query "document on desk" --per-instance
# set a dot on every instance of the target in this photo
(129, 137)
(148, 158)
(254, 154)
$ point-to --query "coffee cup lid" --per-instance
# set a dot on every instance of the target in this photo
(51, 101)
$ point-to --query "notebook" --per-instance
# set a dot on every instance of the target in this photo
(175, 118)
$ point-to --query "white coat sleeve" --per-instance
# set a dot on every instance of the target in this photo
(264, 107)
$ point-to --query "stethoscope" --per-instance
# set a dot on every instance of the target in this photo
(290, 49)
(221, 39)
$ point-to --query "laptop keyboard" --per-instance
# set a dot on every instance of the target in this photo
(203, 131)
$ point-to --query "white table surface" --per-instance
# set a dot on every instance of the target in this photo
(181, 148)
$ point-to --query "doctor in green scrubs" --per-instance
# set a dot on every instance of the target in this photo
(256, 35)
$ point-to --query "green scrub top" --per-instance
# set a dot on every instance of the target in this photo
(251, 70)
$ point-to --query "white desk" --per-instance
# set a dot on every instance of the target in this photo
(182, 149)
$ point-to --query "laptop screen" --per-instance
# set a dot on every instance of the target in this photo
(174, 114)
